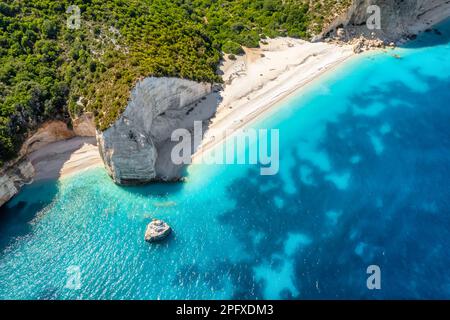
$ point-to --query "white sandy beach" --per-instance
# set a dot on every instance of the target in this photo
(258, 80)
(66, 157)
(253, 84)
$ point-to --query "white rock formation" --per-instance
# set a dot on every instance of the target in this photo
(12, 179)
(135, 148)
(399, 18)
(157, 230)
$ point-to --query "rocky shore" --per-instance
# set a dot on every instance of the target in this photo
(400, 21)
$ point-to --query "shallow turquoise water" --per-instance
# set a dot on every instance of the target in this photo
(364, 179)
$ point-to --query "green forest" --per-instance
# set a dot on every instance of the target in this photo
(51, 71)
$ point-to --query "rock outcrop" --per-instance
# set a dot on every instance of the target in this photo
(21, 171)
(400, 19)
(49, 132)
(157, 230)
(135, 148)
(84, 125)
(13, 178)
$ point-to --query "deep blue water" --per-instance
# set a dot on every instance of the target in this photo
(364, 180)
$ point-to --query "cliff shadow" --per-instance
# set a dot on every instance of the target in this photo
(162, 190)
(17, 215)
(202, 112)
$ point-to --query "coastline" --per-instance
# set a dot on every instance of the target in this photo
(255, 83)
(64, 158)
(352, 168)
(278, 82)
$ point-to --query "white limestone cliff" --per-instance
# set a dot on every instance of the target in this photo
(400, 19)
(135, 148)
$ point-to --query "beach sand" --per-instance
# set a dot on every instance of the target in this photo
(253, 84)
(258, 80)
(65, 157)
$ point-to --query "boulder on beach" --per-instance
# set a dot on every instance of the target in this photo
(157, 230)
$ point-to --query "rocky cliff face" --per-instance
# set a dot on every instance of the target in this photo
(84, 126)
(134, 149)
(399, 18)
(13, 178)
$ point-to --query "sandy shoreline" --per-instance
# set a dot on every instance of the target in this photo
(66, 157)
(258, 81)
(253, 84)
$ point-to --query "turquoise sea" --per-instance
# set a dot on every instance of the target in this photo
(364, 180)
